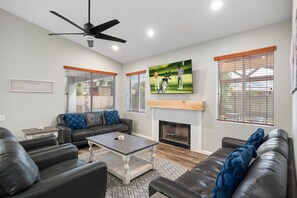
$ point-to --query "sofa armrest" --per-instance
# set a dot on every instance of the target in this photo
(127, 122)
(64, 135)
(232, 142)
(291, 181)
(39, 142)
(55, 155)
(85, 181)
(171, 188)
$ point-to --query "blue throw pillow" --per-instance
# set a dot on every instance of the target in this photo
(256, 139)
(75, 121)
(233, 171)
(111, 117)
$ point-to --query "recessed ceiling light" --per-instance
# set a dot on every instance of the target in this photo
(115, 47)
(150, 33)
(216, 5)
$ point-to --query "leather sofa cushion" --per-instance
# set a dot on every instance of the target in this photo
(274, 144)
(266, 177)
(210, 167)
(81, 134)
(222, 152)
(277, 133)
(17, 170)
(55, 155)
(61, 119)
(120, 127)
(5, 133)
(60, 168)
(109, 128)
(198, 182)
(94, 119)
(102, 129)
(44, 149)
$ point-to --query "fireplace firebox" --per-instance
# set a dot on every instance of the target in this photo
(173, 133)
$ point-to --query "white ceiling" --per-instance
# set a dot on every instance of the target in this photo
(177, 23)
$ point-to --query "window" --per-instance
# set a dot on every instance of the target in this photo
(245, 86)
(88, 90)
(136, 91)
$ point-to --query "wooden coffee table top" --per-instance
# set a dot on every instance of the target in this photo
(130, 145)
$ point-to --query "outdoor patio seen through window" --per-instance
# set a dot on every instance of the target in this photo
(87, 91)
(245, 87)
(136, 91)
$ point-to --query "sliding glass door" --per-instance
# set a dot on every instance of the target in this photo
(86, 91)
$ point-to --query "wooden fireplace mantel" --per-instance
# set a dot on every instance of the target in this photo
(177, 104)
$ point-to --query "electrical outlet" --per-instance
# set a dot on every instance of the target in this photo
(2, 117)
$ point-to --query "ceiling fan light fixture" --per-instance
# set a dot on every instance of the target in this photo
(150, 32)
(115, 47)
(89, 37)
(216, 5)
(89, 31)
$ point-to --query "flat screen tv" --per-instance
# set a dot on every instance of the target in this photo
(172, 78)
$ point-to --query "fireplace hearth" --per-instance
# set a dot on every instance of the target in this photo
(173, 133)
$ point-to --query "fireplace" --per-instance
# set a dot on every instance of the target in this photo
(173, 133)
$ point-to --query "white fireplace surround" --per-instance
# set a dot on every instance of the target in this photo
(192, 117)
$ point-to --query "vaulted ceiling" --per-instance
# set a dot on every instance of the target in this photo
(176, 23)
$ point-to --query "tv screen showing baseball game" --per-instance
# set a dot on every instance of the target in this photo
(172, 78)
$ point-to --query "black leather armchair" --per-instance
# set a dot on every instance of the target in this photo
(47, 172)
(39, 143)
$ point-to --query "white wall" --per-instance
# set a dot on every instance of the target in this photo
(27, 52)
(204, 70)
(294, 96)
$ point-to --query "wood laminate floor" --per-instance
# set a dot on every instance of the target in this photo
(179, 155)
(176, 154)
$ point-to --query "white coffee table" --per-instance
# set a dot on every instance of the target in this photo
(120, 159)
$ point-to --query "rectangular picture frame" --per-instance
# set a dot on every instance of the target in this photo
(31, 86)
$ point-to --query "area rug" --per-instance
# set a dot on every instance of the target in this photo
(138, 188)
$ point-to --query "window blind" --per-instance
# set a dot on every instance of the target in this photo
(245, 87)
(87, 91)
(136, 91)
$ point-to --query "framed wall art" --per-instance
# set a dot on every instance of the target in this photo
(20, 85)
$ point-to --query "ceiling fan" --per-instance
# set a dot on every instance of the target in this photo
(90, 32)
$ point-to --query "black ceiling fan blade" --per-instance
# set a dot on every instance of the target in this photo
(57, 14)
(111, 38)
(90, 43)
(53, 34)
(100, 28)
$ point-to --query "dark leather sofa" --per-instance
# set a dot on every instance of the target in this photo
(47, 170)
(95, 126)
(271, 174)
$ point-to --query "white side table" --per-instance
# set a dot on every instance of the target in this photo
(34, 132)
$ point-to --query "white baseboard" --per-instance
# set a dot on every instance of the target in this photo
(205, 152)
(143, 136)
